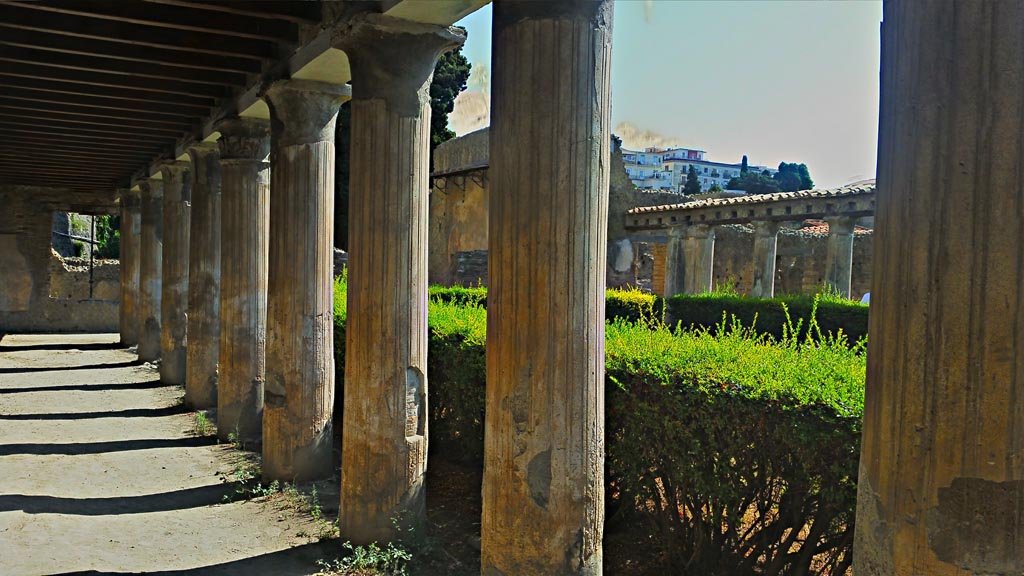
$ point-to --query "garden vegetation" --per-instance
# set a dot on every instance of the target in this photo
(735, 447)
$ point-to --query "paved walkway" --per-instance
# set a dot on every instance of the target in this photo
(100, 473)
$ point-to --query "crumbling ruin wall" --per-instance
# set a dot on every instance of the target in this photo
(26, 258)
(458, 210)
(69, 278)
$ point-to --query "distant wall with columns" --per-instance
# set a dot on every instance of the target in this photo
(800, 261)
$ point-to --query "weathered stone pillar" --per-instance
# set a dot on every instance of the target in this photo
(203, 279)
(245, 235)
(689, 259)
(941, 483)
(151, 251)
(543, 486)
(299, 390)
(766, 240)
(839, 255)
(174, 295)
(131, 224)
(385, 436)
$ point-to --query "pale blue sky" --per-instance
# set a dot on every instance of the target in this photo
(776, 80)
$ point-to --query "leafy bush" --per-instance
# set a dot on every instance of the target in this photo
(770, 315)
(633, 305)
(740, 451)
(463, 295)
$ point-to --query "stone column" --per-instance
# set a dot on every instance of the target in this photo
(839, 255)
(766, 239)
(299, 390)
(941, 483)
(699, 258)
(543, 485)
(131, 223)
(203, 279)
(385, 436)
(675, 262)
(245, 235)
(174, 295)
(151, 248)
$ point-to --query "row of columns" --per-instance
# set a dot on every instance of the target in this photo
(235, 282)
(690, 255)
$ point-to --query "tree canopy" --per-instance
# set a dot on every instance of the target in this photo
(450, 76)
(692, 185)
(754, 183)
(792, 177)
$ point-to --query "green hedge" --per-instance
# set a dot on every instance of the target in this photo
(740, 453)
(769, 315)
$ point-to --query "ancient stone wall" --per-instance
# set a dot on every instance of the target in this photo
(458, 208)
(69, 278)
(26, 259)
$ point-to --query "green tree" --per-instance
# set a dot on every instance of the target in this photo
(754, 183)
(450, 76)
(743, 165)
(692, 185)
(792, 177)
(715, 189)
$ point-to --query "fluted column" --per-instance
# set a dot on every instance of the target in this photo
(941, 482)
(299, 390)
(675, 262)
(385, 437)
(766, 240)
(698, 247)
(245, 235)
(131, 224)
(151, 250)
(203, 279)
(543, 485)
(174, 295)
(839, 255)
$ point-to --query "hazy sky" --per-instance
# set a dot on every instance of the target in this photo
(778, 81)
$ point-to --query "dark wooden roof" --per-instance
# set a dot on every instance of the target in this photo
(91, 90)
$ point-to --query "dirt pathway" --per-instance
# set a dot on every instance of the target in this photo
(100, 473)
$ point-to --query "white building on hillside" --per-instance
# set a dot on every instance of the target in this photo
(666, 168)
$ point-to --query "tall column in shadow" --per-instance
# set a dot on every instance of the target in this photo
(766, 241)
(699, 255)
(299, 390)
(174, 295)
(385, 436)
(151, 250)
(203, 279)
(131, 223)
(245, 235)
(941, 483)
(543, 486)
(839, 255)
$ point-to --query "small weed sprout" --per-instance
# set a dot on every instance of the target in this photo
(201, 425)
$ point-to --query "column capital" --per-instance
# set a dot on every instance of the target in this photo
(702, 231)
(243, 139)
(202, 150)
(766, 227)
(151, 188)
(393, 59)
(129, 198)
(840, 224)
(177, 181)
(600, 10)
(303, 111)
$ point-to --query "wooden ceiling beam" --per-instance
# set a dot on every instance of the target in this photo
(114, 66)
(307, 12)
(44, 151)
(200, 103)
(95, 171)
(71, 128)
(21, 18)
(107, 49)
(116, 81)
(173, 17)
(74, 103)
(93, 115)
(83, 165)
(32, 176)
(9, 116)
(74, 143)
(61, 133)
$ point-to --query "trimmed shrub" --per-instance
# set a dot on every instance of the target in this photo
(771, 315)
(739, 451)
(633, 305)
(462, 295)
